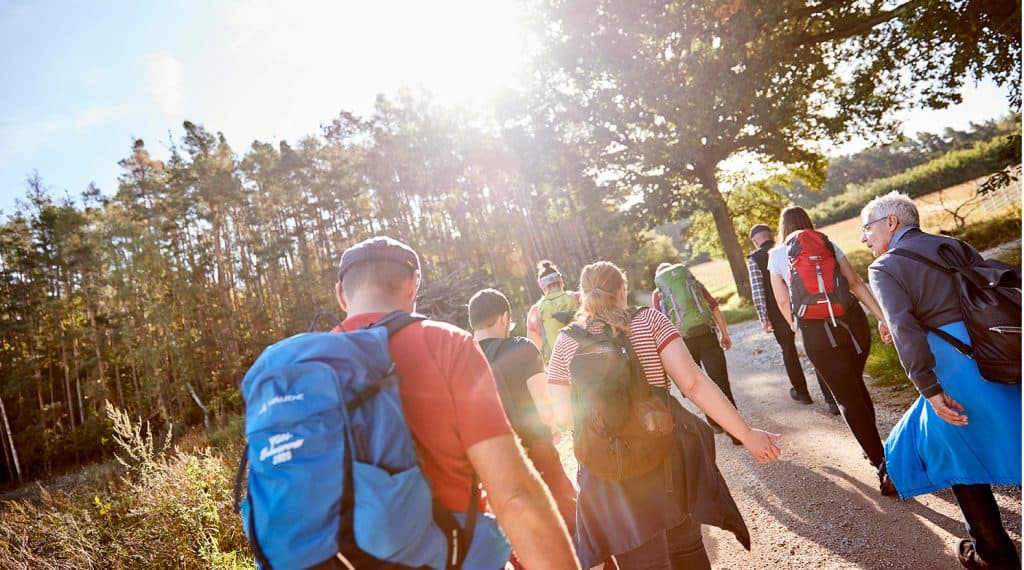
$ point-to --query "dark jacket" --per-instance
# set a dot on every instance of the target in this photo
(765, 298)
(911, 294)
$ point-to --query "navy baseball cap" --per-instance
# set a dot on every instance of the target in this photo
(380, 248)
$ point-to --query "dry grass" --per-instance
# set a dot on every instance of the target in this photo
(168, 509)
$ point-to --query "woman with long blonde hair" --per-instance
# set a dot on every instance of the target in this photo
(653, 520)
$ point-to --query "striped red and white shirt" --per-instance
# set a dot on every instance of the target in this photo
(649, 333)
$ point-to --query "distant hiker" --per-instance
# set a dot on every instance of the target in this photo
(523, 386)
(454, 413)
(813, 283)
(699, 320)
(919, 279)
(639, 501)
(772, 320)
(555, 309)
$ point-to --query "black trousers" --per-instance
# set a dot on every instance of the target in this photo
(839, 353)
(981, 516)
(791, 359)
(707, 352)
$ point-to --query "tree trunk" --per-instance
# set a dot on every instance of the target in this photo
(10, 440)
(726, 231)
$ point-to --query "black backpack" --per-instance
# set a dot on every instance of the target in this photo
(990, 300)
(621, 428)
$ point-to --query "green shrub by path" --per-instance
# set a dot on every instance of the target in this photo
(168, 509)
(953, 168)
(883, 363)
(989, 233)
(1011, 256)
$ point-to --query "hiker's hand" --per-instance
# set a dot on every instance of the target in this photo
(761, 445)
(884, 333)
(726, 342)
(948, 409)
(767, 326)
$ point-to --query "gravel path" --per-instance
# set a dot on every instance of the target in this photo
(819, 505)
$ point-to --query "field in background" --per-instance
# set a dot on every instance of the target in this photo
(846, 234)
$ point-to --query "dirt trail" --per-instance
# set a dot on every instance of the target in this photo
(819, 506)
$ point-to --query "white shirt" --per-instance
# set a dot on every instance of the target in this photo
(778, 261)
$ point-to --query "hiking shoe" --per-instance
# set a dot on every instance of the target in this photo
(833, 408)
(802, 397)
(885, 485)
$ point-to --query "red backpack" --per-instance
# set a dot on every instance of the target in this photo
(817, 289)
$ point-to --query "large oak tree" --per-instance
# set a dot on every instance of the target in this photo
(660, 93)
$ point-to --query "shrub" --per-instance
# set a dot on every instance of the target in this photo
(883, 363)
(168, 509)
(953, 168)
(990, 233)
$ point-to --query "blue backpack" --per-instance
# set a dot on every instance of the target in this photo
(334, 480)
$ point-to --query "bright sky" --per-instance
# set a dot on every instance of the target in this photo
(81, 80)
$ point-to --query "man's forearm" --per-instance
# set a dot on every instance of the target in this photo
(533, 526)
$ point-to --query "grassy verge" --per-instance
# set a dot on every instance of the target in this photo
(165, 508)
(985, 234)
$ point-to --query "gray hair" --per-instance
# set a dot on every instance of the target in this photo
(892, 204)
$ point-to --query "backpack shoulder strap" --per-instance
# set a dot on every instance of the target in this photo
(494, 349)
(920, 259)
(577, 333)
(396, 321)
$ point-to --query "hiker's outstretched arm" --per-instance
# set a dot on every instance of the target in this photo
(693, 383)
(522, 504)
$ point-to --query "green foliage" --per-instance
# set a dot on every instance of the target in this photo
(653, 250)
(953, 168)
(755, 203)
(890, 159)
(1011, 256)
(883, 364)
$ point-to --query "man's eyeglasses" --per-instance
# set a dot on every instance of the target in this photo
(864, 228)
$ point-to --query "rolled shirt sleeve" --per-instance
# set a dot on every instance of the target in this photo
(909, 337)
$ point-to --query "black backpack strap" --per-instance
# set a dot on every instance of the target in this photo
(333, 320)
(494, 349)
(459, 537)
(396, 321)
(578, 333)
(921, 259)
(959, 345)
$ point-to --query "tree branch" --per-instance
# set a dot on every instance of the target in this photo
(861, 26)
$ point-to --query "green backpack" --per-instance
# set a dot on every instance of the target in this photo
(556, 310)
(683, 301)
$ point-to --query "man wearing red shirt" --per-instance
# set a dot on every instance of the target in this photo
(454, 412)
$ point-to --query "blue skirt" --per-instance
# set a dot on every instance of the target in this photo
(925, 454)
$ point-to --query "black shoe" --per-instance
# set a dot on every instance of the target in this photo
(833, 408)
(802, 397)
(885, 485)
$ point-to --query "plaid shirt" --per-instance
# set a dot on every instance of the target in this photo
(757, 289)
